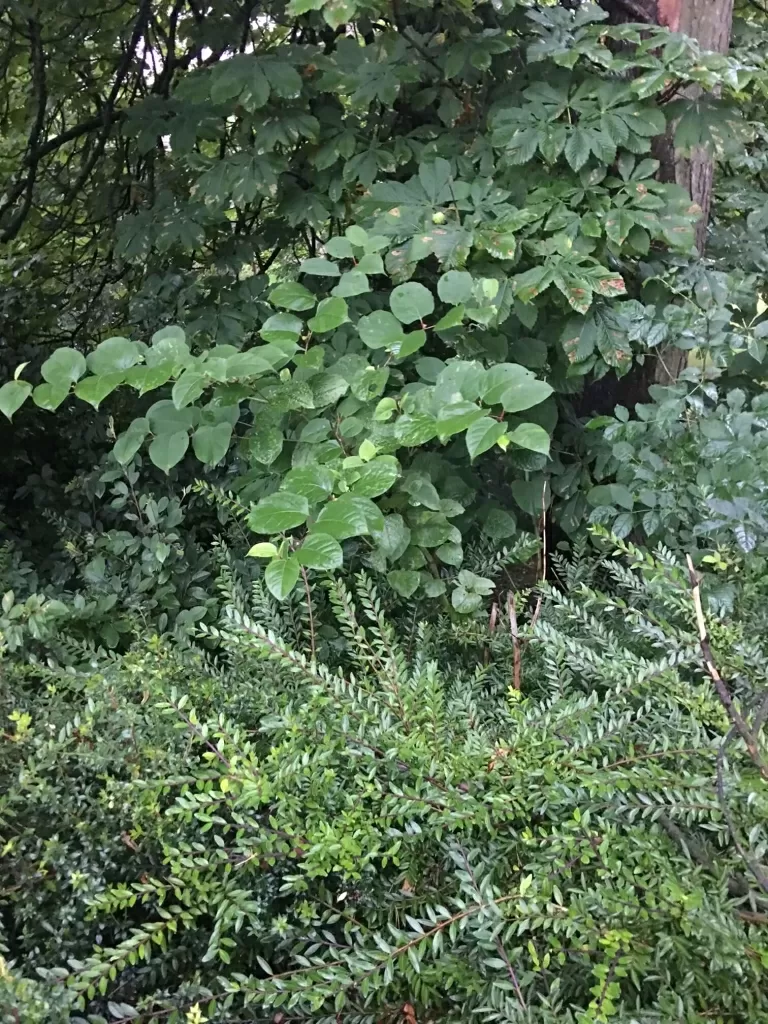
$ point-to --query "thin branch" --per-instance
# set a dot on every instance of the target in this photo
(739, 723)
(516, 660)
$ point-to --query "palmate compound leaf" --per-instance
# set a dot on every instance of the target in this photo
(279, 512)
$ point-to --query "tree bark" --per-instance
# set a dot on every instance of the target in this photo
(709, 23)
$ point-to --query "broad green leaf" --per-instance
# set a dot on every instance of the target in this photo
(367, 450)
(455, 287)
(415, 429)
(611, 494)
(211, 443)
(320, 267)
(371, 263)
(168, 345)
(393, 538)
(483, 434)
(94, 390)
(524, 394)
(148, 378)
(358, 236)
(131, 440)
(501, 377)
(314, 482)
(112, 355)
(264, 549)
(281, 327)
(411, 301)
(63, 367)
(320, 551)
(422, 491)
(450, 554)
(292, 295)
(327, 389)
(404, 581)
(50, 396)
(465, 601)
(281, 576)
(264, 444)
(531, 436)
(188, 388)
(453, 318)
(167, 450)
(13, 394)
(339, 248)
(354, 282)
(173, 334)
(165, 418)
(380, 329)
(330, 314)
(279, 512)
(453, 418)
(348, 516)
(460, 380)
(407, 344)
(499, 524)
(256, 362)
(376, 477)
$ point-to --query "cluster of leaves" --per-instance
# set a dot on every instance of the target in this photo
(420, 305)
(397, 829)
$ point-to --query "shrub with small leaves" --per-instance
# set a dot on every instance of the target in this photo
(405, 831)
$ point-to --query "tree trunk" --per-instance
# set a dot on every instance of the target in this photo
(709, 23)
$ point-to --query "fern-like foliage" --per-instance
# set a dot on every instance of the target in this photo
(390, 833)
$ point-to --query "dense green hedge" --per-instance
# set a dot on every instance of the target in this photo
(249, 832)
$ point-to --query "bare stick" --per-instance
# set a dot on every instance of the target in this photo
(516, 663)
(723, 693)
(537, 610)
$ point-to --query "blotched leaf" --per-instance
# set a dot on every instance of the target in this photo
(376, 476)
